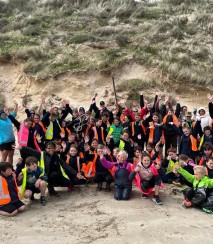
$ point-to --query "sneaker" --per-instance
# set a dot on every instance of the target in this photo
(157, 200)
(43, 201)
(187, 204)
(206, 210)
(32, 198)
(144, 196)
(53, 192)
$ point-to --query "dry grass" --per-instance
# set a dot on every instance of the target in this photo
(174, 36)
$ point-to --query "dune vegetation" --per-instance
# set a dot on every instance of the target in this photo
(54, 36)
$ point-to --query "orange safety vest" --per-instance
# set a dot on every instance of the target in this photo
(122, 117)
(174, 119)
(42, 126)
(96, 133)
(63, 131)
(135, 162)
(4, 192)
(133, 128)
(202, 160)
(78, 162)
(194, 143)
(90, 168)
(151, 133)
(23, 135)
(158, 159)
(87, 130)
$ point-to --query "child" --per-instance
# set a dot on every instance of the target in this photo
(10, 203)
(168, 164)
(209, 167)
(138, 131)
(208, 152)
(188, 165)
(96, 170)
(75, 162)
(200, 195)
(135, 160)
(122, 169)
(33, 180)
(148, 178)
(56, 169)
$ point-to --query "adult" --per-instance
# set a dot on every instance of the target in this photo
(7, 138)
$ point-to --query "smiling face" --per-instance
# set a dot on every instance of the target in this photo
(50, 149)
(73, 151)
(36, 119)
(94, 144)
(121, 158)
(28, 124)
(146, 161)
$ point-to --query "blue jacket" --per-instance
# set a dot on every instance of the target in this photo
(6, 130)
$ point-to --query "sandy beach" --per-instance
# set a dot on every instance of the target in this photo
(88, 216)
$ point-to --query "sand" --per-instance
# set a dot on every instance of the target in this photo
(88, 216)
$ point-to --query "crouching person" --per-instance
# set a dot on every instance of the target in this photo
(56, 169)
(33, 180)
(10, 203)
(122, 170)
(200, 195)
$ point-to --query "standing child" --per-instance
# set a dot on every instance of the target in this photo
(33, 180)
(10, 203)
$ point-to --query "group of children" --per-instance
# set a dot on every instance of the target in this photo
(147, 145)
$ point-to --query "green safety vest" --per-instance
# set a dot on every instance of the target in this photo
(24, 182)
(171, 166)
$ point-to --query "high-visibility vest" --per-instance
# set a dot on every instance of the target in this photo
(78, 162)
(202, 160)
(122, 117)
(171, 166)
(41, 163)
(4, 192)
(96, 133)
(201, 142)
(90, 168)
(133, 128)
(152, 131)
(122, 144)
(193, 143)
(42, 126)
(24, 182)
(63, 131)
(49, 132)
(174, 119)
(23, 135)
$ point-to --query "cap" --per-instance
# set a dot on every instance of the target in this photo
(102, 103)
(188, 114)
(81, 109)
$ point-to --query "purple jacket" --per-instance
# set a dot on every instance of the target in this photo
(109, 165)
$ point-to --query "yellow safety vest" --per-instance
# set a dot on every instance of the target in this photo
(42, 164)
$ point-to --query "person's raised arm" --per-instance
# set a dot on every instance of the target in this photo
(13, 120)
(210, 98)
